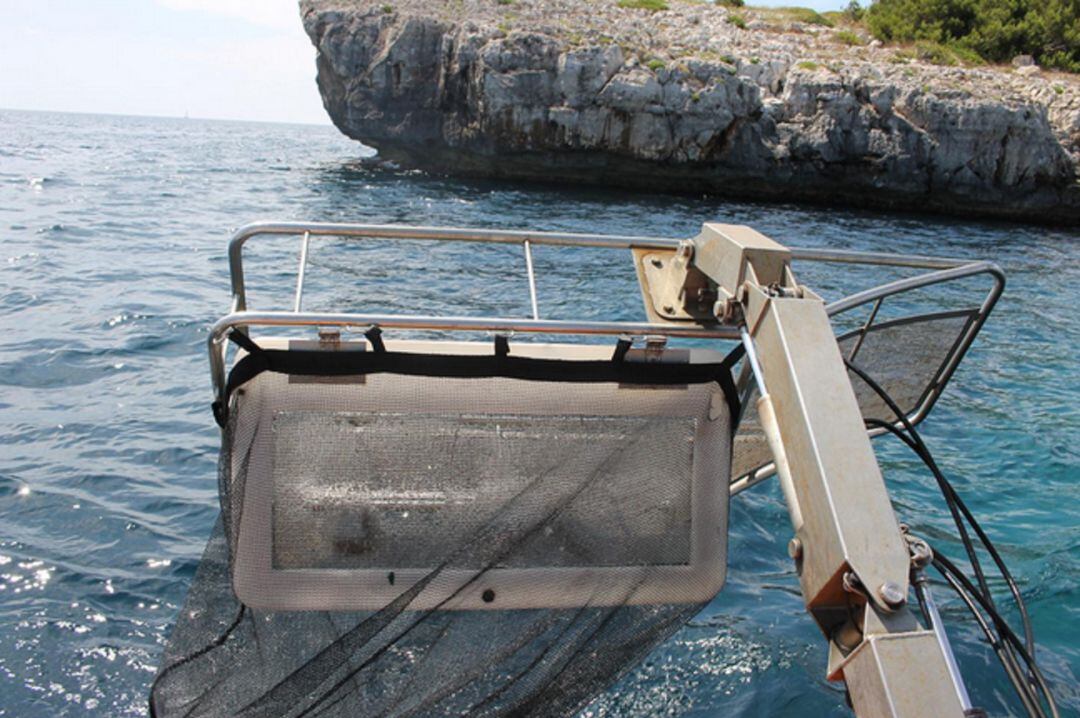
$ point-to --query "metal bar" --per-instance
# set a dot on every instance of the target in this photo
(865, 328)
(300, 272)
(922, 280)
(448, 234)
(563, 239)
(922, 587)
(913, 261)
(216, 343)
(476, 324)
(835, 474)
(969, 338)
(532, 278)
(752, 360)
(752, 479)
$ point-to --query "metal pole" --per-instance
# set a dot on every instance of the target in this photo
(752, 360)
(865, 328)
(442, 324)
(562, 239)
(532, 279)
(922, 587)
(300, 272)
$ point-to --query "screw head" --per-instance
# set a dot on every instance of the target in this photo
(794, 548)
(892, 594)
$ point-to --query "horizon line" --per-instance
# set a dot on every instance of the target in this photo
(328, 123)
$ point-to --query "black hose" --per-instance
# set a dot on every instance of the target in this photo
(1031, 704)
(983, 538)
(1009, 649)
(1003, 650)
(965, 539)
(953, 500)
(944, 565)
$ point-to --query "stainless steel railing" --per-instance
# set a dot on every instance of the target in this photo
(241, 317)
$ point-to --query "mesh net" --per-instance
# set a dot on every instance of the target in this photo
(402, 545)
(904, 356)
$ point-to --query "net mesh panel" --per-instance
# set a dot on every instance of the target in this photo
(446, 476)
(903, 356)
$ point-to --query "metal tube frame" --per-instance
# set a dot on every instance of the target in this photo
(849, 553)
(877, 296)
(240, 317)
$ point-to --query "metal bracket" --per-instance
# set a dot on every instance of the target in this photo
(673, 289)
(329, 337)
(704, 279)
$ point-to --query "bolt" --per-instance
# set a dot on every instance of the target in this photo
(892, 594)
(794, 548)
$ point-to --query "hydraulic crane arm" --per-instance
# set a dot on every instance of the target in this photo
(851, 556)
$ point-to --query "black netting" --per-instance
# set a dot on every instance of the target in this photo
(481, 546)
(905, 356)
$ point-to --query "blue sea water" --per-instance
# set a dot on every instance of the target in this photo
(112, 266)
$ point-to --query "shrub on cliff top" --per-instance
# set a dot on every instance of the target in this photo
(848, 38)
(997, 30)
(798, 14)
(654, 5)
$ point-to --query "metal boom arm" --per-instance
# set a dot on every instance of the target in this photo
(851, 556)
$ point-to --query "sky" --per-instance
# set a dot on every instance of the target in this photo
(220, 59)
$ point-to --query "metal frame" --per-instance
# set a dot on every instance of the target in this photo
(877, 296)
(852, 558)
(241, 317)
(260, 583)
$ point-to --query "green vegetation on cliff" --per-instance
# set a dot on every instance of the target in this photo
(997, 30)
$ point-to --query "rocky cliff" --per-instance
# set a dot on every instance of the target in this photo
(694, 98)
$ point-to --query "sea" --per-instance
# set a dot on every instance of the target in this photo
(113, 233)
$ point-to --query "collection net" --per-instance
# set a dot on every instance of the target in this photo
(905, 357)
(396, 545)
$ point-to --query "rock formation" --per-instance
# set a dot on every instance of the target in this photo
(690, 99)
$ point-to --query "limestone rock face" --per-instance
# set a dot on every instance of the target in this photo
(536, 102)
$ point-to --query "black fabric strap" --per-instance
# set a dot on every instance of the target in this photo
(244, 341)
(304, 362)
(374, 335)
(502, 345)
(621, 349)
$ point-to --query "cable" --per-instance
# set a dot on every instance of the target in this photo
(955, 503)
(924, 454)
(1009, 660)
(953, 500)
(1009, 649)
(984, 539)
(996, 643)
(945, 566)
